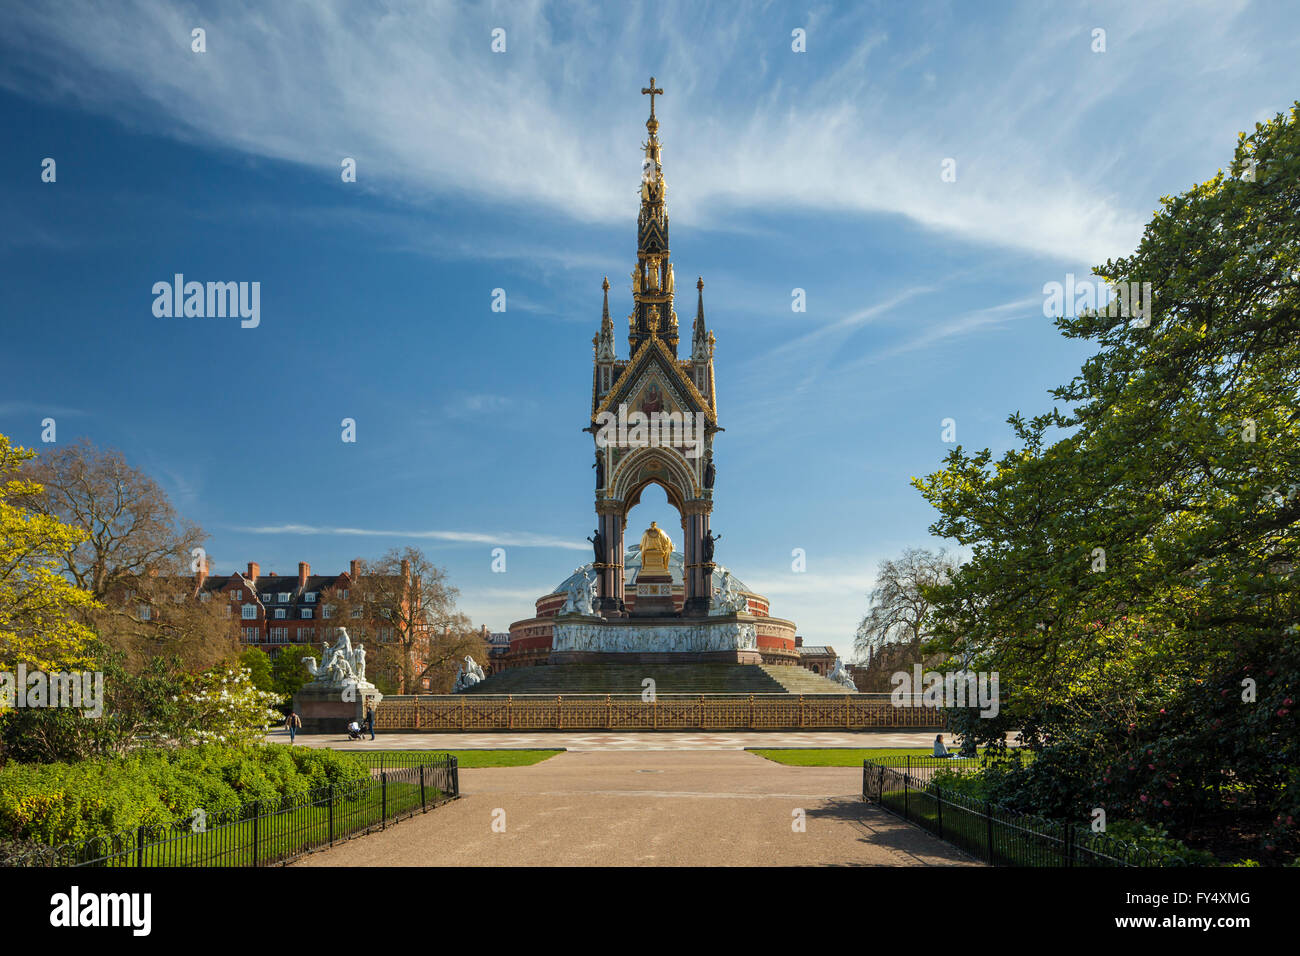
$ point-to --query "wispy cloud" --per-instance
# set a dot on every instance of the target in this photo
(416, 96)
(518, 539)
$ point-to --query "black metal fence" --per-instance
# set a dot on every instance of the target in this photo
(998, 836)
(264, 832)
(392, 760)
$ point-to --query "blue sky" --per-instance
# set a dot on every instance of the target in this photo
(519, 170)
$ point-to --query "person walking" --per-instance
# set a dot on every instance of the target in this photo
(293, 722)
(370, 720)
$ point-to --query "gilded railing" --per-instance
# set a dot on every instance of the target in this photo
(666, 712)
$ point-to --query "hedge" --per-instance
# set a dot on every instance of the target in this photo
(67, 802)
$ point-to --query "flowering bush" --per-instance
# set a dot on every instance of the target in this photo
(221, 706)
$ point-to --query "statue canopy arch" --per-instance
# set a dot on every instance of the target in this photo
(646, 466)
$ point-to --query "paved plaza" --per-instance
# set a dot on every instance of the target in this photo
(585, 740)
(616, 805)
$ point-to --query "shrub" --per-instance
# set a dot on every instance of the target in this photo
(71, 802)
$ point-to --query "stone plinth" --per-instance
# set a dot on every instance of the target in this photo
(324, 709)
(654, 595)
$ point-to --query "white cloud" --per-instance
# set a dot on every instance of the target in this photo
(518, 539)
(416, 96)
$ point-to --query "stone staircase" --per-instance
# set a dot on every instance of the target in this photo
(554, 679)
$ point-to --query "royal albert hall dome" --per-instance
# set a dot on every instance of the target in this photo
(530, 639)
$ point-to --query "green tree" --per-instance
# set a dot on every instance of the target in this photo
(40, 610)
(258, 664)
(1139, 542)
(288, 672)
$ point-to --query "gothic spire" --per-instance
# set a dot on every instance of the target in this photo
(699, 334)
(652, 279)
(605, 341)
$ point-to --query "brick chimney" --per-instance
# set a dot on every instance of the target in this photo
(354, 570)
(253, 571)
(304, 569)
(201, 574)
(406, 570)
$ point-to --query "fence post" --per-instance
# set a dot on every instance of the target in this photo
(559, 712)
(455, 774)
(907, 777)
(938, 807)
(331, 814)
(462, 713)
(609, 713)
(257, 806)
(510, 713)
(988, 821)
(423, 806)
(383, 799)
(751, 717)
(801, 710)
(701, 711)
(139, 845)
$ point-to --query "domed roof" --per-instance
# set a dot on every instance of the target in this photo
(676, 565)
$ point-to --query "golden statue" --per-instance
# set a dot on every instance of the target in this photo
(656, 546)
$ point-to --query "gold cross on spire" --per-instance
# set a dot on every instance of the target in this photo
(653, 91)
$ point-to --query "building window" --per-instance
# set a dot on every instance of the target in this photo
(279, 635)
(305, 635)
(284, 597)
(146, 612)
(266, 598)
(356, 612)
(327, 611)
(237, 595)
(310, 597)
(279, 613)
(306, 614)
(248, 612)
(250, 634)
(344, 594)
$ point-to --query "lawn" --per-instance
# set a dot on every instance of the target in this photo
(465, 759)
(837, 756)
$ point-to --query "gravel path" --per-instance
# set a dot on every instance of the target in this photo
(651, 808)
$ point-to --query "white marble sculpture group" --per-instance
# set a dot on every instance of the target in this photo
(582, 592)
(468, 675)
(343, 664)
(840, 674)
(730, 600)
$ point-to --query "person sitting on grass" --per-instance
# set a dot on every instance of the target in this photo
(941, 751)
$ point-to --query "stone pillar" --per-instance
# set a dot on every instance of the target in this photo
(609, 514)
(696, 580)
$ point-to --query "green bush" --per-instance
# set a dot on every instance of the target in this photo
(71, 802)
(1164, 849)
